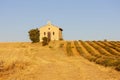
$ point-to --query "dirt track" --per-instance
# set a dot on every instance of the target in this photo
(52, 64)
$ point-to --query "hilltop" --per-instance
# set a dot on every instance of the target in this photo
(60, 60)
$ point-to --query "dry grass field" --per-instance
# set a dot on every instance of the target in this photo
(60, 60)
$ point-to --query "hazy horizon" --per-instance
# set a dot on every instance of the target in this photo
(80, 20)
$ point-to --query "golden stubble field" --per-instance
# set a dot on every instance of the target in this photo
(26, 61)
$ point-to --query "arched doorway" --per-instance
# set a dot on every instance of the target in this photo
(49, 36)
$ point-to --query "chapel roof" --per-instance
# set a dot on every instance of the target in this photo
(49, 23)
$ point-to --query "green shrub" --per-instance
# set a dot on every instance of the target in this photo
(34, 35)
(45, 41)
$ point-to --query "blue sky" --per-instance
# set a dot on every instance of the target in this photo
(80, 19)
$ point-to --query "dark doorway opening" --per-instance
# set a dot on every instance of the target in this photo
(49, 36)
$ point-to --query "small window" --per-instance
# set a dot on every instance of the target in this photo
(44, 33)
(53, 33)
(48, 28)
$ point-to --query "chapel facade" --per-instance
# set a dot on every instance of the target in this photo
(50, 31)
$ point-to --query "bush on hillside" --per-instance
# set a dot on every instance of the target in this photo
(34, 35)
(45, 41)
